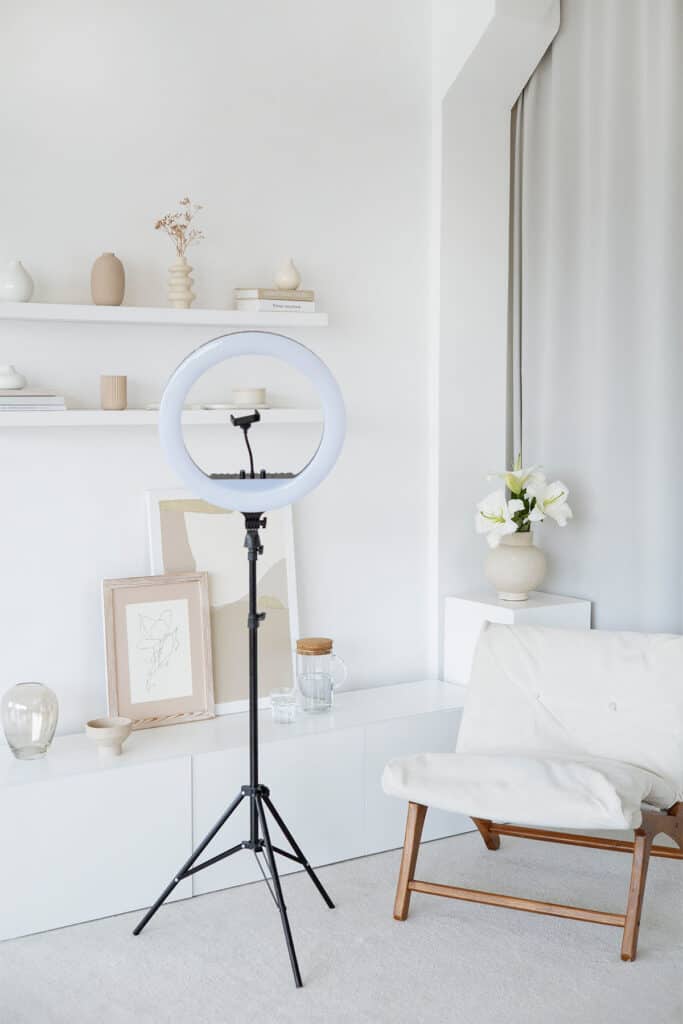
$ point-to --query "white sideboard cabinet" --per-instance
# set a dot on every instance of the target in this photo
(84, 837)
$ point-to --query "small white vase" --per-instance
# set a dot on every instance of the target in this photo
(288, 277)
(515, 567)
(16, 284)
(11, 379)
(180, 294)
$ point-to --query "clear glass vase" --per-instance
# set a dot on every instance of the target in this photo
(29, 719)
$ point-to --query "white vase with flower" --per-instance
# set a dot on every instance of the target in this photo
(514, 564)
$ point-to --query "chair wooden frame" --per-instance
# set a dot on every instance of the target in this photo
(642, 847)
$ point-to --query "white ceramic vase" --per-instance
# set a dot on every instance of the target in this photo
(180, 294)
(515, 567)
(11, 379)
(288, 277)
(16, 284)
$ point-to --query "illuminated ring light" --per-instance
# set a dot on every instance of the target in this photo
(249, 495)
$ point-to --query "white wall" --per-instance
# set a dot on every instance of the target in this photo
(483, 83)
(303, 129)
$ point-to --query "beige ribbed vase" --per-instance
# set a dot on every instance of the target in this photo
(113, 392)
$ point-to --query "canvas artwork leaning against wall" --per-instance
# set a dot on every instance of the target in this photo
(190, 535)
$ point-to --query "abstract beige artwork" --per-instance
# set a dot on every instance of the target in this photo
(190, 535)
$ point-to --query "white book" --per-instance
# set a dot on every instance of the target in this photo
(32, 408)
(28, 393)
(274, 306)
(16, 401)
(276, 294)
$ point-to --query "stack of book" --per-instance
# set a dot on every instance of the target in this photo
(275, 300)
(30, 400)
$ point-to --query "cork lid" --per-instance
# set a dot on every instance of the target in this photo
(314, 645)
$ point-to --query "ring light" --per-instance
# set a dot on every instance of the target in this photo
(252, 494)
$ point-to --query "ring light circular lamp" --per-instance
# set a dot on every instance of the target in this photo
(257, 493)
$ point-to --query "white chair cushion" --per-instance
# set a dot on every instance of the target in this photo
(556, 792)
(577, 695)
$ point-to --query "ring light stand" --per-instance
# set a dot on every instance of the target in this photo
(252, 494)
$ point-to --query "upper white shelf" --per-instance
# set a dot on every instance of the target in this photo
(146, 417)
(58, 311)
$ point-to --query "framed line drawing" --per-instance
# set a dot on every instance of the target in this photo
(158, 649)
(188, 534)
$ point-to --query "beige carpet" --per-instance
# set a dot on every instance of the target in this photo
(220, 959)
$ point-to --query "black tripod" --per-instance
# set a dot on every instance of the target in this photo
(259, 841)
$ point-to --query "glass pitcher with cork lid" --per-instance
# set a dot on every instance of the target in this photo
(319, 673)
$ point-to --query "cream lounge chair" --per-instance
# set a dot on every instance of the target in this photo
(562, 729)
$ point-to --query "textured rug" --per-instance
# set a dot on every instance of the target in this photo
(220, 958)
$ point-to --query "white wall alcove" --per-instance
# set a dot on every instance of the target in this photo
(485, 53)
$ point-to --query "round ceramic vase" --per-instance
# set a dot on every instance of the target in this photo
(515, 567)
(16, 284)
(107, 280)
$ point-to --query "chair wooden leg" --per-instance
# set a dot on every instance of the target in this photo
(636, 891)
(411, 845)
(484, 825)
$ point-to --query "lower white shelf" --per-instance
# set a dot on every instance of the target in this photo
(146, 417)
(117, 830)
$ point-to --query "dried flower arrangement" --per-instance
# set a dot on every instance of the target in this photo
(177, 225)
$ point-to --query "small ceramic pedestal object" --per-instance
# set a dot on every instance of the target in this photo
(109, 734)
(180, 294)
(107, 280)
(113, 392)
(16, 284)
(515, 567)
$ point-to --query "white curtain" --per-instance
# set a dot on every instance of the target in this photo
(597, 331)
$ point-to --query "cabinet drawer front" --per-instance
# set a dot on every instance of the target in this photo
(89, 846)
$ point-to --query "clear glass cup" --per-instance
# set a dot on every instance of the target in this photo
(283, 705)
(318, 675)
(29, 719)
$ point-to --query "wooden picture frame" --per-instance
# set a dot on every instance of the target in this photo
(158, 649)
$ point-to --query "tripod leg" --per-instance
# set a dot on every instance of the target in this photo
(268, 849)
(298, 851)
(188, 864)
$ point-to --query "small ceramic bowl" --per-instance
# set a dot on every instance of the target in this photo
(109, 734)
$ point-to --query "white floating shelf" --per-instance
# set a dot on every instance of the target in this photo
(65, 312)
(146, 417)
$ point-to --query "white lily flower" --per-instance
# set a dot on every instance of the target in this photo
(551, 500)
(494, 517)
(517, 479)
